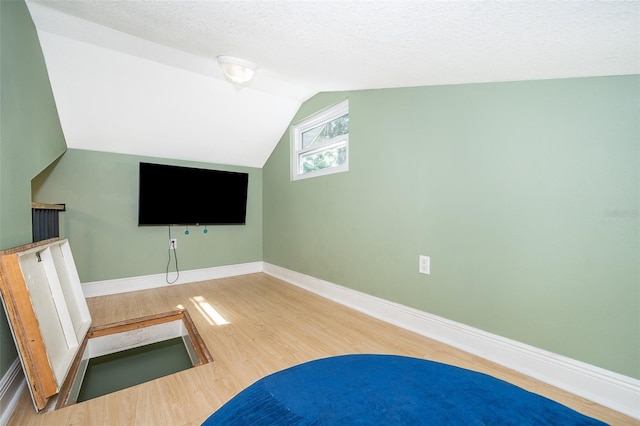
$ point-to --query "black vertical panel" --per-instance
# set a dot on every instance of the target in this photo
(45, 223)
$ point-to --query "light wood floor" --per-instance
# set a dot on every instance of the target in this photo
(272, 325)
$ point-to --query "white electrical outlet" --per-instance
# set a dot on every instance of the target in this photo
(425, 265)
(173, 244)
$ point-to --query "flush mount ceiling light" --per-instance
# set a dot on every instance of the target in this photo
(238, 71)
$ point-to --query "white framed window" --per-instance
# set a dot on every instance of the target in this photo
(320, 143)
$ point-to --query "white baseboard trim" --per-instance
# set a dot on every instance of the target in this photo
(123, 285)
(613, 390)
(12, 385)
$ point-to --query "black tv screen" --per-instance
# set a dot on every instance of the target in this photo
(174, 195)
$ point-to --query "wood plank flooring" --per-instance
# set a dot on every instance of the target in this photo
(271, 325)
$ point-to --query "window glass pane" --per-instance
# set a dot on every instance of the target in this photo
(320, 143)
(317, 160)
(325, 132)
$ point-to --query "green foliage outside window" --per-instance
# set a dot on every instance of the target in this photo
(326, 132)
(323, 159)
(324, 135)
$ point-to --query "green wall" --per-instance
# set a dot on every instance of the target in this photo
(30, 134)
(100, 191)
(524, 194)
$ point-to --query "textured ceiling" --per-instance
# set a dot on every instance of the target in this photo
(140, 77)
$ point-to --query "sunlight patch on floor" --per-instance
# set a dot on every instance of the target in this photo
(208, 311)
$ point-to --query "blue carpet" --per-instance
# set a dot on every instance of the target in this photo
(389, 390)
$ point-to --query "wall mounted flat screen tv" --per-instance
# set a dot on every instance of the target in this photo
(174, 195)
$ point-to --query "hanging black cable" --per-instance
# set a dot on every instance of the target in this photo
(172, 248)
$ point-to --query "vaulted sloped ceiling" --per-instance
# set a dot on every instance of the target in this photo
(141, 77)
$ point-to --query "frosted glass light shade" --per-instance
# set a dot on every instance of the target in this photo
(237, 71)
